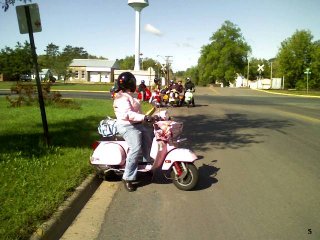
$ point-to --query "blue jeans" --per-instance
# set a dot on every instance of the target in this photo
(139, 139)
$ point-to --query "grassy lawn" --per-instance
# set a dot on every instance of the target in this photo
(35, 179)
(297, 92)
(66, 86)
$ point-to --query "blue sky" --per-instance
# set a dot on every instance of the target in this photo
(106, 27)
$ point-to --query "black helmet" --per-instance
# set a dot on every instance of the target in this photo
(126, 80)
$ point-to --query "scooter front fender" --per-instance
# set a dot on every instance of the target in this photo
(178, 155)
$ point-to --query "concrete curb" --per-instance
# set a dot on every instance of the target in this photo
(68, 211)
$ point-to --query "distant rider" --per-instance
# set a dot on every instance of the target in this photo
(189, 85)
(142, 90)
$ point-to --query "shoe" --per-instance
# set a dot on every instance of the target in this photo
(129, 186)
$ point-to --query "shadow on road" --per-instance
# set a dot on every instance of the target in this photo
(207, 175)
(232, 131)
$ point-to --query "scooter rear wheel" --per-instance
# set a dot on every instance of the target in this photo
(189, 181)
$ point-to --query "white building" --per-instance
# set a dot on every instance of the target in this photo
(146, 75)
(92, 70)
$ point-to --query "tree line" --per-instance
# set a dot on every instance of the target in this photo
(17, 61)
(228, 54)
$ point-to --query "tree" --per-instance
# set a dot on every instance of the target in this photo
(253, 68)
(315, 65)
(51, 57)
(127, 63)
(193, 73)
(15, 62)
(7, 3)
(148, 62)
(225, 56)
(294, 57)
(65, 58)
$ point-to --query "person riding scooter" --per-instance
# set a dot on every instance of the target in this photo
(142, 90)
(189, 85)
(129, 125)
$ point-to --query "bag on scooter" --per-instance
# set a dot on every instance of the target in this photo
(107, 127)
(168, 130)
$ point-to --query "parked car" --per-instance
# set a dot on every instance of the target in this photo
(25, 78)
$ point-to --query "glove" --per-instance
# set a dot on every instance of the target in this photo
(148, 118)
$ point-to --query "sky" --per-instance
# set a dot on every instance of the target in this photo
(175, 28)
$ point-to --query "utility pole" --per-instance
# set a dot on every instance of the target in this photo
(168, 68)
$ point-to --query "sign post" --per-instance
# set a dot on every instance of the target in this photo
(29, 22)
(260, 69)
(307, 72)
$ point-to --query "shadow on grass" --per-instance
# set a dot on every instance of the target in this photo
(79, 133)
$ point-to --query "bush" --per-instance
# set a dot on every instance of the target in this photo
(27, 95)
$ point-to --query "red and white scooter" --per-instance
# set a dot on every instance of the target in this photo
(176, 163)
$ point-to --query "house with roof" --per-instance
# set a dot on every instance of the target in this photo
(43, 74)
(92, 70)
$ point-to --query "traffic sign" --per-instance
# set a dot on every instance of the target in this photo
(307, 71)
(164, 68)
(34, 15)
(260, 68)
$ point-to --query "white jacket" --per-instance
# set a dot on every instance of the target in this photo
(127, 108)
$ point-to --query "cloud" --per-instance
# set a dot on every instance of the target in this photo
(184, 44)
(151, 29)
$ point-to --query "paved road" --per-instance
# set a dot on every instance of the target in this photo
(259, 174)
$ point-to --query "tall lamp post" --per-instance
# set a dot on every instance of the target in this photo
(307, 72)
(137, 5)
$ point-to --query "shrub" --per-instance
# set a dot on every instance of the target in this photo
(27, 95)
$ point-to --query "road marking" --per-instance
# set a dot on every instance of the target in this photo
(298, 116)
(214, 90)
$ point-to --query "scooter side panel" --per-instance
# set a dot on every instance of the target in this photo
(178, 155)
(109, 153)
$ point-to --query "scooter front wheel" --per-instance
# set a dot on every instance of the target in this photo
(190, 179)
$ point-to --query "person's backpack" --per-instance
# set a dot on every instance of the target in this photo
(107, 127)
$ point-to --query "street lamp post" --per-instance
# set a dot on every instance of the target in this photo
(248, 72)
(307, 72)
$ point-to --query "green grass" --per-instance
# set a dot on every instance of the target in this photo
(35, 180)
(297, 92)
(66, 86)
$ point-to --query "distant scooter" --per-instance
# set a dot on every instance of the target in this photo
(175, 163)
(155, 98)
(188, 97)
(175, 99)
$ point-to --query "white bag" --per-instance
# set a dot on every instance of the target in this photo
(107, 127)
